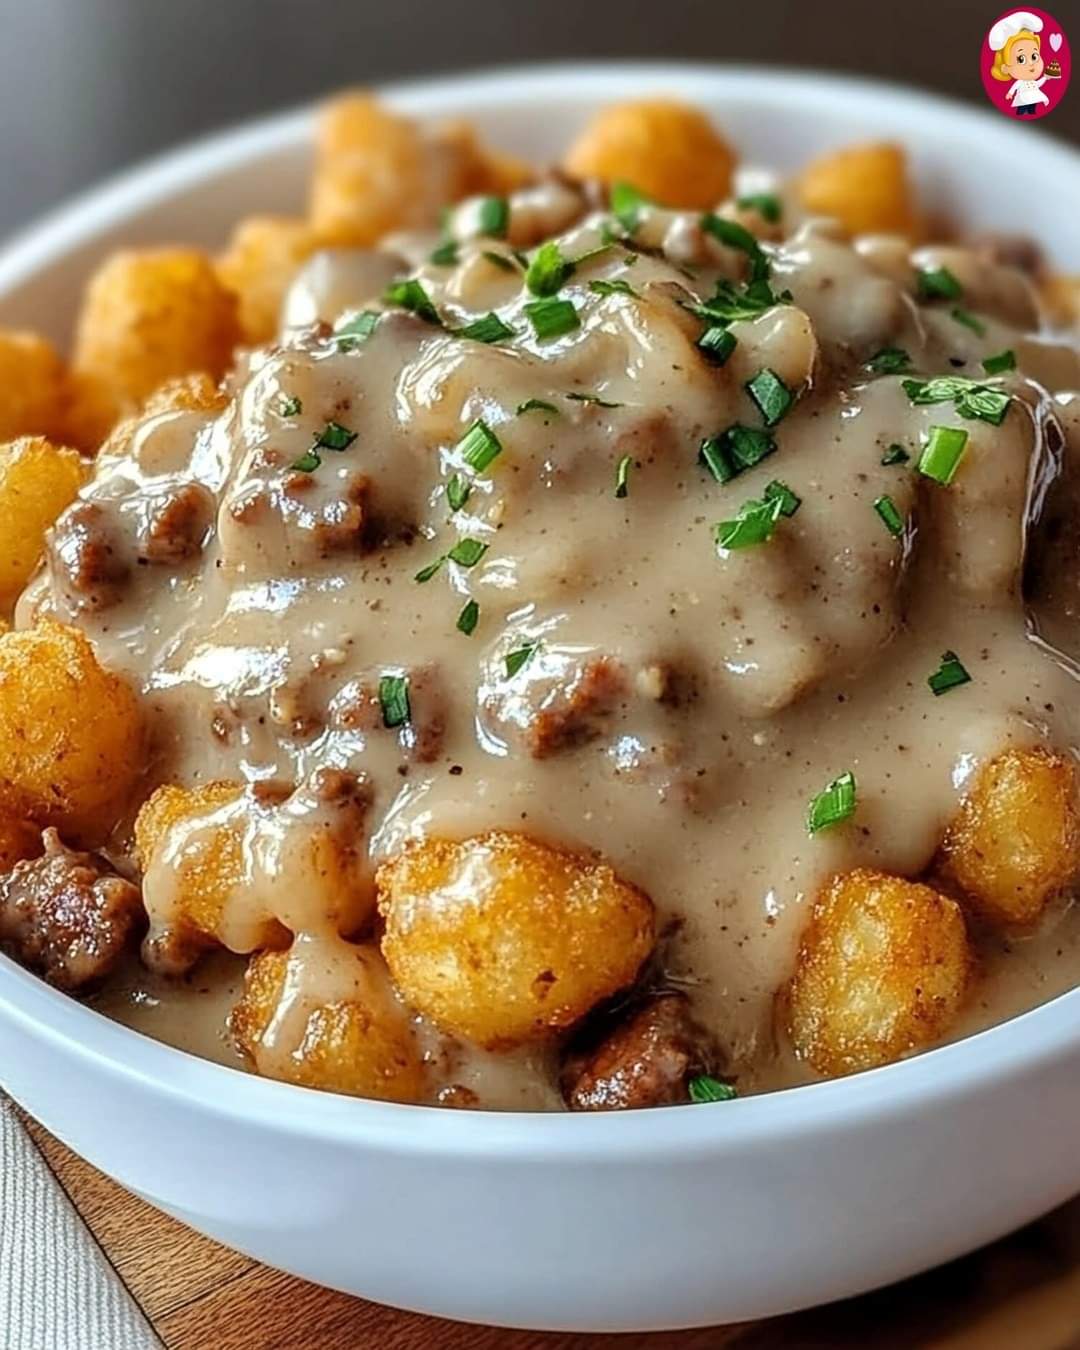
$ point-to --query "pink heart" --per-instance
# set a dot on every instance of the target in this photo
(1055, 42)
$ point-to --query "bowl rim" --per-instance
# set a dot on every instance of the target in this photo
(926, 1081)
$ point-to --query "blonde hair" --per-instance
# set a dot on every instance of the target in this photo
(1004, 57)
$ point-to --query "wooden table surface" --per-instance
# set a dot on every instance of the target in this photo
(1021, 1294)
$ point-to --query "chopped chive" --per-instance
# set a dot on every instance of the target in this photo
(622, 475)
(594, 399)
(755, 524)
(479, 446)
(446, 254)
(467, 552)
(969, 320)
(536, 405)
(890, 361)
(989, 405)
(458, 491)
(394, 700)
(943, 453)
(717, 344)
(626, 203)
(893, 520)
(616, 287)
(356, 330)
(334, 437)
(938, 283)
(748, 445)
(518, 658)
(490, 328)
(411, 295)
(499, 260)
(548, 271)
(949, 675)
(703, 1088)
(780, 492)
(290, 406)
(832, 806)
(493, 217)
(972, 399)
(940, 389)
(308, 462)
(590, 254)
(895, 454)
(731, 303)
(766, 204)
(713, 454)
(1003, 361)
(771, 394)
(426, 573)
(734, 235)
(552, 318)
(468, 618)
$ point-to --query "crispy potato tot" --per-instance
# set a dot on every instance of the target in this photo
(264, 255)
(667, 150)
(359, 1043)
(92, 412)
(200, 877)
(864, 187)
(147, 317)
(501, 939)
(476, 168)
(37, 480)
(882, 970)
(19, 839)
(33, 386)
(71, 734)
(1015, 842)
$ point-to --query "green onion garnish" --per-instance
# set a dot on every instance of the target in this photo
(969, 320)
(834, 805)
(548, 271)
(703, 1088)
(748, 445)
(467, 552)
(499, 260)
(943, 453)
(938, 283)
(426, 573)
(290, 406)
(616, 287)
(552, 318)
(446, 254)
(776, 491)
(516, 659)
(895, 454)
(731, 303)
(949, 675)
(1003, 361)
(771, 395)
(713, 454)
(594, 399)
(458, 491)
(734, 235)
(412, 296)
(356, 330)
(493, 217)
(479, 446)
(755, 524)
(766, 204)
(890, 361)
(394, 700)
(626, 203)
(488, 329)
(536, 405)
(334, 437)
(468, 618)
(717, 344)
(308, 462)
(972, 399)
(622, 475)
(989, 405)
(893, 520)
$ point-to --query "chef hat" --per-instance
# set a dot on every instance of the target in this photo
(1008, 27)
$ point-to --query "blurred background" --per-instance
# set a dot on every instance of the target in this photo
(89, 86)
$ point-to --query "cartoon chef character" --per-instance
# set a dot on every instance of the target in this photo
(1016, 43)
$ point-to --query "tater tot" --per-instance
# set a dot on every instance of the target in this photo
(502, 939)
(864, 187)
(882, 970)
(667, 150)
(360, 1043)
(71, 736)
(37, 480)
(150, 316)
(263, 256)
(1015, 842)
(33, 386)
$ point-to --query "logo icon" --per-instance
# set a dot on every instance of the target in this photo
(1025, 63)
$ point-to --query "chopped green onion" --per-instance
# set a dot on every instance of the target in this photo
(890, 361)
(755, 524)
(972, 399)
(703, 1088)
(593, 398)
(290, 406)
(717, 344)
(536, 405)
(467, 552)
(446, 254)
(714, 456)
(334, 437)
(479, 446)
(1003, 361)
(590, 254)
(458, 491)
(394, 700)
(548, 271)
(499, 260)
(412, 296)
(734, 235)
(834, 805)
(552, 318)
(969, 320)
(468, 618)
(938, 283)
(893, 520)
(748, 445)
(949, 675)
(308, 462)
(426, 573)
(895, 454)
(356, 330)
(616, 287)
(771, 394)
(940, 389)
(989, 405)
(493, 216)
(518, 658)
(766, 204)
(622, 475)
(780, 492)
(488, 329)
(943, 453)
(626, 203)
(731, 303)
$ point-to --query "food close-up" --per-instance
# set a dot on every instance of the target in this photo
(578, 635)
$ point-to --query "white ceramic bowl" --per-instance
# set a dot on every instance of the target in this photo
(665, 1218)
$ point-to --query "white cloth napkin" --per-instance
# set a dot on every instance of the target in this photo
(57, 1289)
